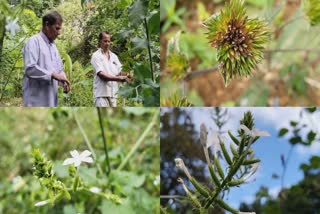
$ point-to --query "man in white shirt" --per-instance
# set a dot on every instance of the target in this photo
(107, 73)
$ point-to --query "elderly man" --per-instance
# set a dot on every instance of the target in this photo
(107, 73)
(43, 67)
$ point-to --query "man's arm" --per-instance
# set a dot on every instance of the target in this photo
(30, 58)
(105, 76)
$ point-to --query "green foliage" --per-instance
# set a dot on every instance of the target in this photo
(313, 11)
(56, 132)
(134, 26)
(238, 39)
(176, 62)
(171, 15)
(293, 74)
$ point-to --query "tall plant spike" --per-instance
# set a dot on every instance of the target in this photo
(239, 40)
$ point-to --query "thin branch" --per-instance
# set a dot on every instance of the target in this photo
(172, 197)
(293, 50)
(86, 140)
(139, 141)
(193, 74)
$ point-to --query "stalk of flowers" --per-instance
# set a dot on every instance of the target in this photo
(312, 8)
(47, 178)
(242, 164)
(239, 40)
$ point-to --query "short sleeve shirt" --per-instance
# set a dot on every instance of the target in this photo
(112, 66)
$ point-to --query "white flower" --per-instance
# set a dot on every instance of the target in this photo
(12, 26)
(41, 203)
(156, 181)
(254, 132)
(214, 140)
(78, 158)
(255, 167)
(95, 189)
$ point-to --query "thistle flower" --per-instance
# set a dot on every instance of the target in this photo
(238, 39)
(313, 11)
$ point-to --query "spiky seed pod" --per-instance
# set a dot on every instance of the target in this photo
(313, 11)
(238, 39)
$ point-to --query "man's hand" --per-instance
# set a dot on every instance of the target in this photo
(66, 88)
(122, 78)
(61, 78)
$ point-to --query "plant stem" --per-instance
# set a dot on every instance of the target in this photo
(139, 141)
(86, 140)
(149, 49)
(104, 141)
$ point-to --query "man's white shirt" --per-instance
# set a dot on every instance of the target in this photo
(112, 66)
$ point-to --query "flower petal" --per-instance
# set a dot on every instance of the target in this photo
(260, 133)
(74, 153)
(85, 153)
(245, 129)
(77, 162)
(68, 161)
(87, 159)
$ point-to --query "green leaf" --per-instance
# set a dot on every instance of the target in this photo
(282, 132)
(311, 136)
(139, 44)
(67, 64)
(108, 207)
(69, 209)
(311, 110)
(141, 71)
(293, 123)
(295, 140)
(126, 182)
(137, 12)
(153, 22)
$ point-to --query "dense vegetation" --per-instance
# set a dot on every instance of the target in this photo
(134, 25)
(124, 177)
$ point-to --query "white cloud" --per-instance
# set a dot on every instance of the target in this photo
(313, 149)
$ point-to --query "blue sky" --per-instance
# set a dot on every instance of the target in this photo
(268, 149)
